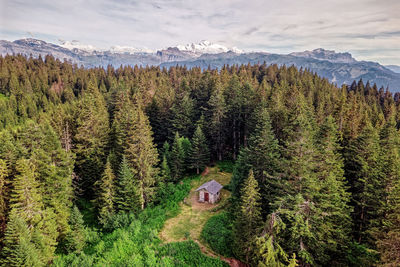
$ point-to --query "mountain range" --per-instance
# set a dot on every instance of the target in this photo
(339, 68)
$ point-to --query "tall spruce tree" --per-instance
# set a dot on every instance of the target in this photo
(75, 239)
(387, 231)
(26, 203)
(217, 118)
(364, 173)
(18, 248)
(177, 159)
(388, 243)
(269, 250)
(127, 198)
(91, 137)
(142, 156)
(248, 220)
(4, 171)
(199, 153)
(105, 192)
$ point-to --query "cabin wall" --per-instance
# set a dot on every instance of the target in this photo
(201, 196)
(211, 197)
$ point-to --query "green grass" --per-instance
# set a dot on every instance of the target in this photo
(3, 96)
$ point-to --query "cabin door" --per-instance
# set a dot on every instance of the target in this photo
(205, 196)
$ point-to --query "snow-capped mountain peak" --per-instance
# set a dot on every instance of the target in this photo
(74, 44)
(129, 50)
(206, 47)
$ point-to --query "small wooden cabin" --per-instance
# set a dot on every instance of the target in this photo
(209, 192)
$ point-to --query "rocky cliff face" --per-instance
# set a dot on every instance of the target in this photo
(326, 55)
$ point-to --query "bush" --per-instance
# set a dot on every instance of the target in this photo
(188, 253)
(225, 166)
(217, 232)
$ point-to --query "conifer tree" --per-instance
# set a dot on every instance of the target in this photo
(177, 155)
(199, 154)
(25, 198)
(75, 239)
(54, 167)
(142, 156)
(388, 244)
(91, 137)
(264, 158)
(165, 171)
(104, 201)
(3, 192)
(217, 119)
(248, 219)
(270, 252)
(26, 202)
(387, 231)
(364, 173)
(18, 248)
(182, 113)
(127, 198)
(331, 195)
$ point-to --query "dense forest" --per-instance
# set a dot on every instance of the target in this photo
(93, 161)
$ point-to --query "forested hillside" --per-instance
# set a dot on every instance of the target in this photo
(93, 161)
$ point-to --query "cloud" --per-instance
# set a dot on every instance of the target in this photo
(370, 26)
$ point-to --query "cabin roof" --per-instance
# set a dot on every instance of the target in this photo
(212, 186)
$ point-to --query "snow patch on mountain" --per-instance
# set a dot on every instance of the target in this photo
(75, 44)
(129, 50)
(206, 47)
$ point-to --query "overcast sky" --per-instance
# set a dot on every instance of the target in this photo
(369, 29)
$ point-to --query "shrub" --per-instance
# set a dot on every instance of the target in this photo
(217, 232)
(225, 166)
(188, 253)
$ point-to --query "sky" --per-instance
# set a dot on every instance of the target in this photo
(369, 29)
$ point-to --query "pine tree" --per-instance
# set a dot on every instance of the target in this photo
(3, 193)
(199, 154)
(330, 196)
(270, 252)
(165, 171)
(264, 158)
(25, 198)
(54, 167)
(127, 191)
(364, 173)
(104, 201)
(388, 244)
(182, 113)
(142, 156)
(248, 219)
(177, 156)
(18, 248)
(75, 239)
(26, 202)
(91, 137)
(217, 120)
(387, 231)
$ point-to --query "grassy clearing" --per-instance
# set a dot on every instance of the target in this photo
(189, 223)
